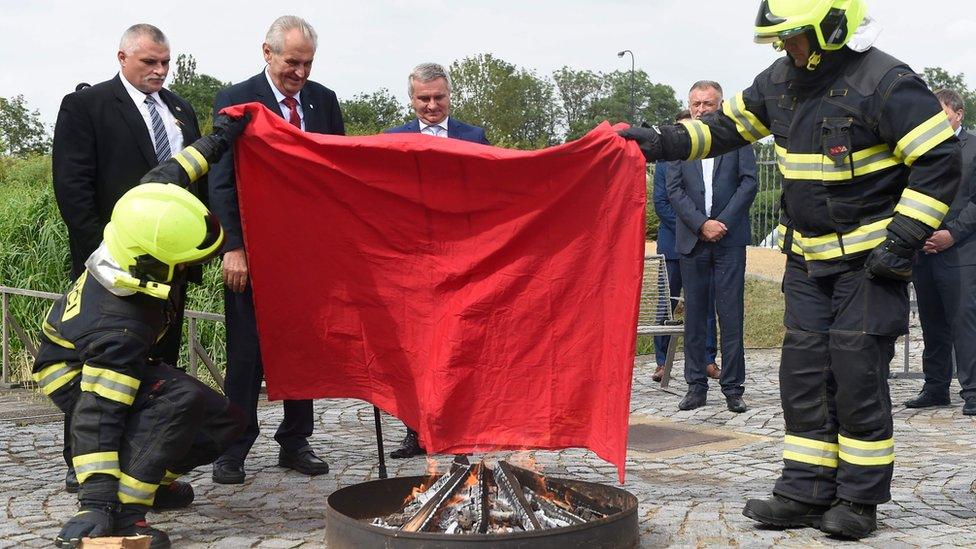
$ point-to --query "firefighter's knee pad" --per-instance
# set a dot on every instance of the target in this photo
(803, 373)
(859, 363)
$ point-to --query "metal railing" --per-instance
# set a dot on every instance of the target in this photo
(764, 212)
(197, 352)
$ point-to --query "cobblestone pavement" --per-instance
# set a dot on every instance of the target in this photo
(690, 497)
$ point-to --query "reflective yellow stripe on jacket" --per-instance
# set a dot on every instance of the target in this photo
(819, 167)
(835, 246)
(924, 208)
(701, 138)
(109, 384)
(53, 377)
(747, 124)
(923, 138)
(192, 162)
(135, 491)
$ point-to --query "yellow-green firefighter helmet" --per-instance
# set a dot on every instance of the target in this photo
(155, 227)
(832, 21)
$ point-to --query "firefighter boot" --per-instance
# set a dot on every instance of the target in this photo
(130, 520)
(174, 495)
(850, 520)
(784, 512)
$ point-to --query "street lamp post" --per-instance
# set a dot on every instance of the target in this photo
(633, 107)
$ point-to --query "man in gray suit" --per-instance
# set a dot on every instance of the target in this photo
(711, 200)
(945, 283)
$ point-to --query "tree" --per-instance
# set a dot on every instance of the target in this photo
(368, 114)
(198, 89)
(937, 77)
(590, 98)
(21, 131)
(515, 107)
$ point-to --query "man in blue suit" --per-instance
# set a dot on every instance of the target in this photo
(429, 88)
(711, 200)
(665, 247)
(945, 283)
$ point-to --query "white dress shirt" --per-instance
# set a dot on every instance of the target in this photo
(280, 99)
(169, 121)
(440, 132)
(708, 165)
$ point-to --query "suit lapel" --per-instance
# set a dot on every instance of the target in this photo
(262, 90)
(716, 162)
(182, 117)
(133, 118)
(310, 112)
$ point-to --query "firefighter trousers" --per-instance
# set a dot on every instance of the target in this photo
(176, 423)
(840, 338)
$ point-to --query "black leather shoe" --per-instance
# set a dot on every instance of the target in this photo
(304, 461)
(71, 481)
(228, 471)
(736, 404)
(692, 400)
(409, 447)
(783, 512)
(968, 409)
(850, 520)
(175, 495)
(926, 399)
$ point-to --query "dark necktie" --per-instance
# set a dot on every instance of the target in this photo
(159, 131)
(293, 117)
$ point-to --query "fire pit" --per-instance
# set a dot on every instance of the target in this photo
(475, 505)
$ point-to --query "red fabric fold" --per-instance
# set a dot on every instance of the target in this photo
(487, 297)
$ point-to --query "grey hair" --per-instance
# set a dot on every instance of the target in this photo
(951, 98)
(425, 72)
(275, 39)
(706, 84)
(132, 35)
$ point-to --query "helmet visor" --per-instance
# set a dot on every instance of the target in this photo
(773, 37)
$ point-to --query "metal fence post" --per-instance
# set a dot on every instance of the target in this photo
(5, 376)
(192, 346)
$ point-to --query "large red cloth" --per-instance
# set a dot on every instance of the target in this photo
(487, 297)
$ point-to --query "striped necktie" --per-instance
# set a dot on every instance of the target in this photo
(160, 137)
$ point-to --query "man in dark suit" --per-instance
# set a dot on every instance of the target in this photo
(665, 247)
(107, 137)
(284, 88)
(945, 283)
(429, 89)
(711, 198)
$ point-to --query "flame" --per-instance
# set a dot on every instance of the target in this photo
(414, 492)
(472, 479)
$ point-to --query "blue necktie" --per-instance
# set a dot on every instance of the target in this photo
(159, 131)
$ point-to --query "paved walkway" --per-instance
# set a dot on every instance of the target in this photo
(689, 497)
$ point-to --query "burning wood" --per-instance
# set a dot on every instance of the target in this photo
(473, 499)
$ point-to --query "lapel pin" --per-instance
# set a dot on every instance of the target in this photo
(179, 109)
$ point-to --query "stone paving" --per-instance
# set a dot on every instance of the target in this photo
(688, 498)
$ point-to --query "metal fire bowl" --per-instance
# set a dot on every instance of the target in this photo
(348, 507)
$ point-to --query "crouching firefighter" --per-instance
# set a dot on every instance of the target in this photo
(137, 423)
(869, 165)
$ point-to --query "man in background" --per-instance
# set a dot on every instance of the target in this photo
(429, 89)
(945, 280)
(107, 137)
(665, 247)
(711, 199)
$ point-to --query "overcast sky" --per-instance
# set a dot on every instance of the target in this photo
(48, 46)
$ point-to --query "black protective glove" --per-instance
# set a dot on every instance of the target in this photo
(895, 257)
(225, 132)
(648, 139)
(92, 521)
(211, 147)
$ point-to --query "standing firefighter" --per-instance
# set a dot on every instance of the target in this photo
(869, 164)
(136, 423)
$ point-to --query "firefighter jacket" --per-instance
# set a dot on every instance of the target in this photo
(94, 351)
(858, 141)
